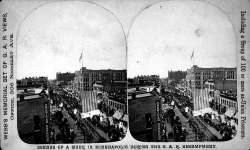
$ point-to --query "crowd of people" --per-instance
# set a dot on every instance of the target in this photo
(179, 130)
(66, 134)
(95, 123)
(185, 105)
(112, 131)
(227, 130)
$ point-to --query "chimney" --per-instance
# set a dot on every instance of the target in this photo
(133, 95)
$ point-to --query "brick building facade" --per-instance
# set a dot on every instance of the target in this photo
(65, 76)
(33, 81)
(146, 79)
(33, 119)
(197, 76)
(144, 118)
(111, 80)
(176, 75)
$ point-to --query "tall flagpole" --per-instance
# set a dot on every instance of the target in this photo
(82, 93)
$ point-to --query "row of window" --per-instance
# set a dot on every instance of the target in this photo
(87, 79)
(231, 77)
(228, 103)
(215, 72)
(219, 72)
(209, 86)
(230, 72)
(198, 77)
(116, 105)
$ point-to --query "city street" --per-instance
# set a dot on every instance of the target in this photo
(79, 138)
(191, 135)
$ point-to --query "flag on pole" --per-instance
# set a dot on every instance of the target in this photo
(80, 57)
(192, 54)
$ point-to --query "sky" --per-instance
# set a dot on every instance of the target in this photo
(164, 36)
(53, 36)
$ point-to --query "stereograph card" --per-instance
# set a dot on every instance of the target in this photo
(114, 74)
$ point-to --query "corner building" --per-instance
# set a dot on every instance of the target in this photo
(111, 80)
(197, 76)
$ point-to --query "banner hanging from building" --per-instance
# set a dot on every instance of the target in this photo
(89, 101)
(200, 99)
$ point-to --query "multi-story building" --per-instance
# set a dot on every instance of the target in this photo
(33, 81)
(117, 104)
(149, 79)
(226, 103)
(111, 80)
(130, 81)
(197, 76)
(65, 76)
(176, 75)
(144, 117)
(33, 112)
(222, 85)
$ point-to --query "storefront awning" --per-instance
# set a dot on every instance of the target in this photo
(37, 91)
(236, 115)
(208, 110)
(125, 118)
(118, 115)
(197, 113)
(85, 115)
(95, 112)
(230, 113)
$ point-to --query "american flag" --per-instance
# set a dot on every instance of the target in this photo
(80, 57)
(192, 54)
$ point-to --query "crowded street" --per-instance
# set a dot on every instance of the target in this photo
(70, 125)
(180, 124)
